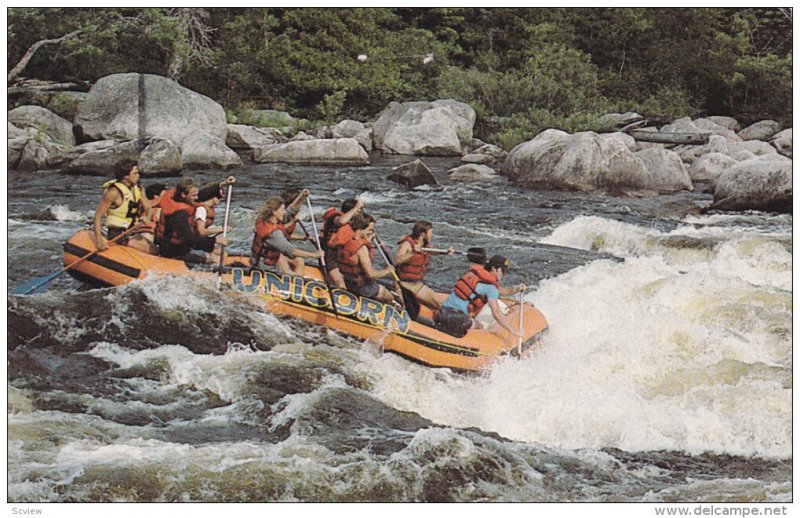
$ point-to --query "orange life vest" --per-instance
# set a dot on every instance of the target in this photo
(465, 287)
(415, 268)
(347, 259)
(260, 249)
(169, 206)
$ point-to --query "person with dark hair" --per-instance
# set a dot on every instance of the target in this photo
(121, 206)
(271, 241)
(176, 234)
(479, 287)
(355, 259)
(412, 264)
(336, 231)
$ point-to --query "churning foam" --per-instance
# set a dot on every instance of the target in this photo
(671, 349)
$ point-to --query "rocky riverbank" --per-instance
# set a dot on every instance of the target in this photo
(170, 128)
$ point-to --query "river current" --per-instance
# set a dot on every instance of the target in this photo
(665, 376)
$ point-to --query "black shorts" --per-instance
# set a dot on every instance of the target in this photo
(113, 232)
(371, 288)
(453, 322)
(330, 260)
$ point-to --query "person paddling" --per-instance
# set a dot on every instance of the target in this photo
(355, 259)
(121, 207)
(176, 234)
(412, 264)
(479, 287)
(336, 231)
(271, 240)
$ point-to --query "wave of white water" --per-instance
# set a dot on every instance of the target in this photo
(678, 348)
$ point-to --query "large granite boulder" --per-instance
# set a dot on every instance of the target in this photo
(353, 129)
(208, 151)
(755, 185)
(42, 119)
(30, 150)
(782, 142)
(586, 162)
(343, 151)
(438, 128)
(173, 112)
(761, 130)
(412, 174)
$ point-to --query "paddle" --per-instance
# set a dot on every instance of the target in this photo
(475, 255)
(39, 284)
(321, 257)
(410, 302)
(224, 234)
(521, 311)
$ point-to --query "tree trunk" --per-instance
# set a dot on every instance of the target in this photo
(19, 67)
(669, 138)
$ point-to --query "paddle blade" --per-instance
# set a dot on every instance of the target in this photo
(34, 286)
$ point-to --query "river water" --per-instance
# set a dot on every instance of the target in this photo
(665, 375)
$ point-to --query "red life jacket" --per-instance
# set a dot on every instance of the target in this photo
(415, 268)
(465, 287)
(329, 227)
(347, 259)
(260, 248)
(169, 206)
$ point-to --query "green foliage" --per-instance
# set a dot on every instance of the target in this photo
(330, 109)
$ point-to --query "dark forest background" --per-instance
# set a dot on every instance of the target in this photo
(523, 70)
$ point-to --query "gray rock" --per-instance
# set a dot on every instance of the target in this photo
(709, 167)
(439, 128)
(42, 119)
(208, 151)
(353, 129)
(302, 135)
(161, 157)
(586, 162)
(412, 174)
(472, 173)
(344, 151)
(709, 126)
(726, 122)
(173, 112)
(612, 120)
(782, 142)
(622, 137)
(103, 160)
(755, 185)
(486, 154)
(273, 119)
(242, 137)
(667, 172)
(762, 130)
(14, 132)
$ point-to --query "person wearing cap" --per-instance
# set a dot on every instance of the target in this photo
(479, 287)
(412, 264)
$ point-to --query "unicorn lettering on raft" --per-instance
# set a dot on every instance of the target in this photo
(315, 294)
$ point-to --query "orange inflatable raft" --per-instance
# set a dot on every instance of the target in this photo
(309, 299)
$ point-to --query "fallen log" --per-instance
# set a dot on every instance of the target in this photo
(669, 137)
